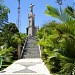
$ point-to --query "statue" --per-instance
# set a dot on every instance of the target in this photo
(31, 8)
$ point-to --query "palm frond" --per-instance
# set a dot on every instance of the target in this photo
(70, 11)
(61, 15)
(52, 12)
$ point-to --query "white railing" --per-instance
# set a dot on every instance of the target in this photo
(23, 48)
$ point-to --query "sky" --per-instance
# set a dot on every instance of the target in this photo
(39, 9)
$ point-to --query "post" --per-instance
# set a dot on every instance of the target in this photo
(40, 49)
(1, 59)
(19, 51)
(19, 10)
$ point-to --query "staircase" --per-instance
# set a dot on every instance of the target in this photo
(30, 64)
(31, 50)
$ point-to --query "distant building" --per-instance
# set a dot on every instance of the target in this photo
(31, 29)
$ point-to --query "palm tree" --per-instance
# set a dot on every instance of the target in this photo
(61, 47)
(70, 11)
(61, 15)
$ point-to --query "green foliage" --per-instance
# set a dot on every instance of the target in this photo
(3, 14)
(10, 28)
(53, 12)
(70, 11)
(58, 42)
(7, 52)
(61, 15)
(9, 31)
(22, 36)
(10, 38)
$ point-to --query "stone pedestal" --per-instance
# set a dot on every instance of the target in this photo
(31, 29)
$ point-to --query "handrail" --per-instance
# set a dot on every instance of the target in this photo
(23, 48)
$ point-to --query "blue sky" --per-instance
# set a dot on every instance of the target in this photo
(39, 8)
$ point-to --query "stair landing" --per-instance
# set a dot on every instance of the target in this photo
(27, 67)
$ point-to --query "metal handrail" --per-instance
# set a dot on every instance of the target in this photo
(23, 48)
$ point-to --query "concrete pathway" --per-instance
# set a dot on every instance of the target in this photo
(27, 67)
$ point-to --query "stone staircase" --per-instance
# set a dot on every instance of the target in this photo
(30, 64)
(31, 50)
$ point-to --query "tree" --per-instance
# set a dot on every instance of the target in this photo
(58, 42)
(9, 37)
(3, 14)
(58, 51)
(8, 31)
(9, 44)
(61, 15)
(11, 27)
(70, 11)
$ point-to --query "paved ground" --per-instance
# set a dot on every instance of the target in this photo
(27, 67)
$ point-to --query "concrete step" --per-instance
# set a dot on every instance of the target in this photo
(31, 46)
(23, 74)
(32, 53)
(31, 41)
(33, 49)
(30, 56)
